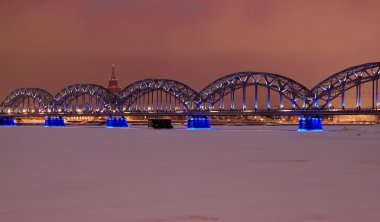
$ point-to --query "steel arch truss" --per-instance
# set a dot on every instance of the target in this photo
(216, 91)
(94, 98)
(183, 94)
(337, 84)
(36, 101)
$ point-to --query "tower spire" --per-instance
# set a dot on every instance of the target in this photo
(112, 82)
(113, 72)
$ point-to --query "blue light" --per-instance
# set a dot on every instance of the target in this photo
(7, 121)
(54, 121)
(199, 129)
(198, 123)
(302, 130)
(116, 122)
(310, 124)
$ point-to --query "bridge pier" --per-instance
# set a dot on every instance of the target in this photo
(7, 121)
(54, 121)
(198, 122)
(310, 123)
(116, 122)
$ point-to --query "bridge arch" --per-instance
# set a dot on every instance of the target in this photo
(338, 84)
(213, 96)
(85, 98)
(157, 95)
(28, 100)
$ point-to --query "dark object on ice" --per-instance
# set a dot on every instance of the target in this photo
(160, 123)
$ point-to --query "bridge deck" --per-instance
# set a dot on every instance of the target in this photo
(209, 113)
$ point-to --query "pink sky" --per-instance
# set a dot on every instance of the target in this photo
(51, 44)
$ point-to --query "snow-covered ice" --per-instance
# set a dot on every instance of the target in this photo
(232, 174)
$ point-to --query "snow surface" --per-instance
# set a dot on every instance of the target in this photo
(233, 174)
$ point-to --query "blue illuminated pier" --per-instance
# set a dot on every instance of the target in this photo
(7, 121)
(116, 122)
(198, 122)
(54, 121)
(307, 124)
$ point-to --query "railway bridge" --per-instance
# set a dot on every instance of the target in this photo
(352, 91)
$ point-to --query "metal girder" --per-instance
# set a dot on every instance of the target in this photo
(44, 98)
(301, 97)
(221, 87)
(337, 84)
(68, 94)
(132, 92)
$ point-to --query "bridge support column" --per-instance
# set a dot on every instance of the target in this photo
(329, 99)
(232, 101)
(90, 104)
(293, 102)
(116, 122)
(198, 122)
(358, 96)
(268, 97)
(315, 103)
(377, 94)
(54, 121)
(343, 91)
(243, 102)
(76, 104)
(255, 100)
(83, 103)
(221, 103)
(310, 123)
(7, 121)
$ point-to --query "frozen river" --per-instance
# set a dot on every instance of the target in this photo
(232, 174)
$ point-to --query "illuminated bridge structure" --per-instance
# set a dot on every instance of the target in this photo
(241, 93)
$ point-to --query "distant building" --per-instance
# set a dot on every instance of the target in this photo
(112, 82)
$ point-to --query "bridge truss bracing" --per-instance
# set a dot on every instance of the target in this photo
(338, 84)
(241, 92)
(159, 95)
(84, 98)
(28, 100)
(222, 93)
